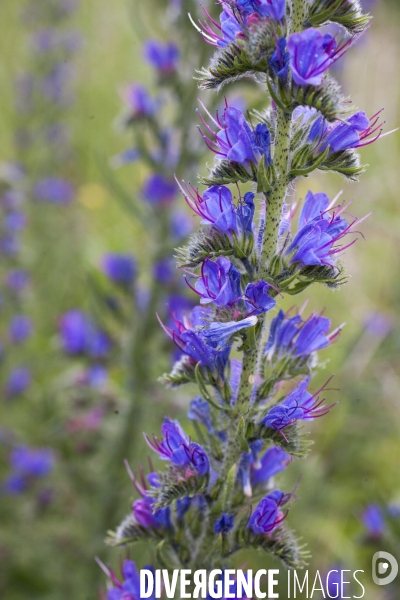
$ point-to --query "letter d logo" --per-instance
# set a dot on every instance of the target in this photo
(380, 568)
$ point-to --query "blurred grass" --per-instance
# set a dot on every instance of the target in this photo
(355, 458)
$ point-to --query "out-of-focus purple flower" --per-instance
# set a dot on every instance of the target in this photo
(54, 189)
(120, 268)
(17, 382)
(298, 405)
(14, 222)
(292, 335)
(311, 54)
(279, 61)
(80, 336)
(9, 245)
(257, 298)
(162, 56)
(267, 514)
(181, 224)
(178, 449)
(319, 231)
(20, 329)
(37, 462)
(224, 524)
(17, 279)
(55, 86)
(96, 376)
(379, 324)
(164, 271)
(374, 521)
(125, 158)
(218, 283)
(14, 484)
(159, 190)
(138, 100)
(236, 140)
(355, 132)
(200, 412)
(273, 462)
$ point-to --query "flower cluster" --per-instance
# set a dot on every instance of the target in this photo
(241, 262)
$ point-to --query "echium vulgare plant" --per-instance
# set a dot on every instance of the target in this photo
(253, 362)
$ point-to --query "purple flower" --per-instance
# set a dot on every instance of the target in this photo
(80, 336)
(159, 190)
(279, 61)
(298, 405)
(53, 189)
(17, 279)
(292, 335)
(37, 462)
(120, 268)
(164, 271)
(14, 222)
(188, 335)
(17, 382)
(200, 412)
(236, 141)
(181, 224)
(273, 462)
(139, 101)
(219, 334)
(178, 449)
(354, 132)
(249, 461)
(272, 9)
(267, 515)
(374, 521)
(319, 231)
(224, 524)
(311, 54)
(257, 298)
(219, 282)
(144, 515)
(14, 484)
(20, 329)
(163, 57)
(216, 208)
(129, 588)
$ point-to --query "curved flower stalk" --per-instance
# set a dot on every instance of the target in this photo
(249, 412)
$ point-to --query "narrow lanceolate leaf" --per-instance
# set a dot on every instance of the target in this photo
(347, 13)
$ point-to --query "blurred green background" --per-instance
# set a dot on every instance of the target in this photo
(48, 552)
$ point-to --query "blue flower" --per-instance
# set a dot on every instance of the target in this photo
(54, 189)
(272, 9)
(181, 224)
(159, 190)
(215, 206)
(298, 405)
(267, 514)
(354, 132)
(20, 329)
(17, 280)
(17, 382)
(319, 231)
(219, 282)
(236, 140)
(279, 61)
(139, 101)
(200, 412)
(37, 462)
(311, 54)
(257, 298)
(224, 524)
(163, 57)
(273, 462)
(80, 336)
(217, 335)
(292, 335)
(129, 588)
(178, 449)
(120, 268)
(374, 521)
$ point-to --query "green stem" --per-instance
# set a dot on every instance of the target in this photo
(299, 15)
(276, 197)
